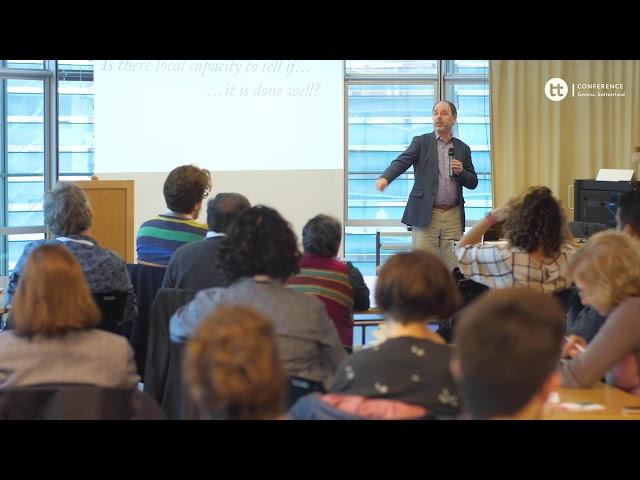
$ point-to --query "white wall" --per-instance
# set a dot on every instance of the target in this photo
(297, 194)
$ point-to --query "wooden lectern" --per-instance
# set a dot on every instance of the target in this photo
(113, 210)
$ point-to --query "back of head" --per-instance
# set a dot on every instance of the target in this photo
(185, 187)
(322, 235)
(259, 242)
(507, 344)
(66, 209)
(610, 263)
(629, 211)
(232, 368)
(536, 221)
(415, 286)
(52, 297)
(223, 209)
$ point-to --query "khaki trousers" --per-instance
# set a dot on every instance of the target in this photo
(438, 237)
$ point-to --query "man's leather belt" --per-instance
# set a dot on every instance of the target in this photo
(444, 207)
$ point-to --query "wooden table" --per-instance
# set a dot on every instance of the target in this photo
(612, 398)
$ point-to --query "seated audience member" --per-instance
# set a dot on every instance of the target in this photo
(195, 265)
(232, 368)
(258, 254)
(507, 348)
(588, 321)
(68, 215)
(538, 245)
(339, 285)
(408, 375)
(607, 273)
(184, 190)
(53, 339)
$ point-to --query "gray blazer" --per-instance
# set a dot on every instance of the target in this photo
(307, 339)
(423, 155)
(92, 357)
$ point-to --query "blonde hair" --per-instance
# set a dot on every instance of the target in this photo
(52, 296)
(610, 261)
(232, 367)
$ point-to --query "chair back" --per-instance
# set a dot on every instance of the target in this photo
(299, 387)
(146, 281)
(163, 365)
(76, 402)
(111, 305)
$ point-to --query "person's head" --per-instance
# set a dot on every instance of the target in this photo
(259, 242)
(445, 115)
(606, 270)
(185, 188)
(52, 297)
(628, 215)
(223, 209)
(322, 236)
(416, 286)
(232, 367)
(536, 223)
(67, 210)
(507, 349)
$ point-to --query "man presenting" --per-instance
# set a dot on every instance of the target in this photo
(435, 208)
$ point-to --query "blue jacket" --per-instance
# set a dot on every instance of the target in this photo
(423, 155)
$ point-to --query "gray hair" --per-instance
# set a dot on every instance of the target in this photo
(66, 209)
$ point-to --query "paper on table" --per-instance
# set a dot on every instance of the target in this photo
(578, 407)
(553, 397)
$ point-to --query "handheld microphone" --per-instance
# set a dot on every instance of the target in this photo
(451, 154)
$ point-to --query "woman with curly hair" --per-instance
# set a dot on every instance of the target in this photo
(257, 255)
(232, 367)
(537, 250)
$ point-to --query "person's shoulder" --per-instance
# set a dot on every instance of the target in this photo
(426, 136)
(149, 221)
(213, 294)
(191, 247)
(300, 298)
(629, 306)
(498, 247)
(364, 356)
(37, 243)
(458, 140)
(102, 341)
(110, 256)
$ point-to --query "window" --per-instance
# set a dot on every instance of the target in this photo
(388, 103)
(31, 154)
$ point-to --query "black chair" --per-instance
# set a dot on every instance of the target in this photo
(146, 281)
(163, 365)
(76, 402)
(111, 305)
(469, 289)
(299, 387)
